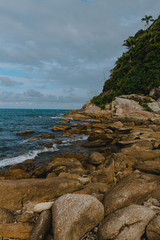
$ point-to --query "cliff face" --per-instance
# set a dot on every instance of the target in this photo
(137, 71)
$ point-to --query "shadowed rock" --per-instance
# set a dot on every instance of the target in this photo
(42, 226)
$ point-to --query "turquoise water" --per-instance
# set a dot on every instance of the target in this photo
(15, 149)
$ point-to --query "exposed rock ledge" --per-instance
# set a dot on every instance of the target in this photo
(125, 108)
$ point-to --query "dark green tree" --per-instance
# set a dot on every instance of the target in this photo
(130, 42)
(147, 19)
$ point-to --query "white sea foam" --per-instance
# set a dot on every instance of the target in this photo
(30, 155)
(68, 141)
(56, 117)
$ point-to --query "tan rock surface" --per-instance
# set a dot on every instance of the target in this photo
(133, 189)
(149, 166)
(60, 128)
(126, 224)
(16, 193)
(15, 174)
(104, 175)
(25, 132)
(153, 229)
(96, 158)
(15, 230)
(74, 215)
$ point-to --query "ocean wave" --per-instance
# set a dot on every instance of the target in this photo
(30, 155)
(56, 117)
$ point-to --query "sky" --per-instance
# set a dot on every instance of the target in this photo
(57, 54)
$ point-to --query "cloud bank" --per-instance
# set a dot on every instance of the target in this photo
(58, 53)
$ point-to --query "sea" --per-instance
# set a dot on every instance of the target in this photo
(17, 148)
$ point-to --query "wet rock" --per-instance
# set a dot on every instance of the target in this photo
(127, 223)
(74, 215)
(42, 226)
(96, 158)
(14, 194)
(25, 132)
(64, 121)
(68, 155)
(6, 216)
(15, 174)
(46, 136)
(153, 229)
(95, 144)
(27, 165)
(60, 128)
(133, 189)
(95, 136)
(40, 171)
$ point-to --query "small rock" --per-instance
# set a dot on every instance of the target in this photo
(60, 128)
(96, 158)
(25, 132)
(40, 207)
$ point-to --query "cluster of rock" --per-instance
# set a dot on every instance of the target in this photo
(112, 193)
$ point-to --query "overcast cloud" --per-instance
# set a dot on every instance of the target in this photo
(58, 53)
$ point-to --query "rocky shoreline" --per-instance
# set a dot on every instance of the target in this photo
(112, 193)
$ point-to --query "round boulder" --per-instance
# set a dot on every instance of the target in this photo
(73, 215)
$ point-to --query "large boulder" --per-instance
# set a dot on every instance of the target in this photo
(74, 215)
(127, 223)
(14, 194)
(133, 189)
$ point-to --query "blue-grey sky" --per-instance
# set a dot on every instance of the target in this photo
(58, 53)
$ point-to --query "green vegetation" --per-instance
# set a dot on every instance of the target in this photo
(137, 70)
